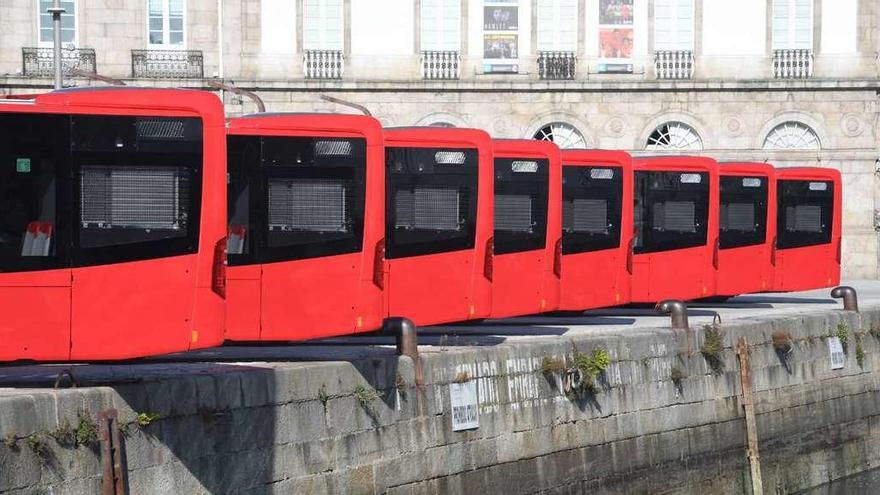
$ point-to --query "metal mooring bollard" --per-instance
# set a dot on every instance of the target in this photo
(406, 334)
(849, 295)
(677, 310)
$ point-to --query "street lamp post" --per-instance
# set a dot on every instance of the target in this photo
(56, 10)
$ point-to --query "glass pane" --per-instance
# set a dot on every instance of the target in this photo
(591, 208)
(155, 7)
(670, 213)
(175, 37)
(156, 38)
(156, 24)
(521, 189)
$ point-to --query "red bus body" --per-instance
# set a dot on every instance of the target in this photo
(597, 259)
(111, 272)
(808, 228)
(527, 260)
(438, 266)
(747, 227)
(313, 229)
(676, 236)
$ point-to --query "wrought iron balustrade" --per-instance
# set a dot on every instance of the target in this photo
(557, 65)
(441, 64)
(40, 62)
(323, 64)
(167, 64)
(674, 64)
(792, 63)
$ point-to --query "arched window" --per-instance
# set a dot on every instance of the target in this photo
(564, 135)
(792, 135)
(441, 123)
(674, 136)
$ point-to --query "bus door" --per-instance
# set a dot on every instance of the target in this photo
(136, 193)
(34, 266)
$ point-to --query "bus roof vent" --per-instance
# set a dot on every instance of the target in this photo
(157, 128)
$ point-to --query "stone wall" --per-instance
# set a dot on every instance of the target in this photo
(365, 427)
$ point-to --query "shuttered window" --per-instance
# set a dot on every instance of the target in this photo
(322, 25)
(792, 24)
(557, 25)
(674, 25)
(441, 25)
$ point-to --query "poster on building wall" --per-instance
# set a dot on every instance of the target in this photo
(615, 36)
(500, 36)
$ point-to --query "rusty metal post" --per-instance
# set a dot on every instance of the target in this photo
(849, 295)
(745, 369)
(406, 334)
(677, 310)
(113, 479)
(261, 106)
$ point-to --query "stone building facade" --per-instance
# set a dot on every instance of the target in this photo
(792, 82)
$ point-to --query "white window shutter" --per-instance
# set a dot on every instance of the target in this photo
(803, 24)
(557, 25)
(674, 25)
(441, 25)
(322, 25)
(685, 24)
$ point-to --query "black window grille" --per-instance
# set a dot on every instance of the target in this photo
(521, 189)
(295, 197)
(805, 213)
(431, 200)
(591, 208)
(743, 211)
(671, 210)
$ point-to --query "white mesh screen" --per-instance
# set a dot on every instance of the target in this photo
(134, 197)
(803, 218)
(429, 208)
(308, 204)
(513, 212)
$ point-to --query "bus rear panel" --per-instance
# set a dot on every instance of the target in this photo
(747, 223)
(675, 216)
(528, 244)
(808, 228)
(438, 224)
(305, 226)
(596, 234)
(111, 241)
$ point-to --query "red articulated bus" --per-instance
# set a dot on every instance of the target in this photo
(808, 228)
(438, 231)
(528, 238)
(675, 217)
(111, 224)
(747, 227)
(597, 189)
(306, 225)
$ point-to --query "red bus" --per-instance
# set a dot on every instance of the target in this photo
(111, 224)
(528, 239)
(597, 189)
(675, 216)
(438, 233)
(808, 228)
(306, 225)
(747, 226)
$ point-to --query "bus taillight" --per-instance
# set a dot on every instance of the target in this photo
(218, 268)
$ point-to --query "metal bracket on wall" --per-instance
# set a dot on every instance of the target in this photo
(113, 479)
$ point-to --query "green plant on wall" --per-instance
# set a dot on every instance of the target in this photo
(860, 350)
(713, 346)
(86, 430)
(591, 366)
(841, 331)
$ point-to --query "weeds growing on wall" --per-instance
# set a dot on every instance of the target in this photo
(365, 396)
(37, 444)
(591, 366)
(65, 435)
(713, 346)
(841, 331)
(677, 375)
(86, 430)
(860, 350)
(551, 365)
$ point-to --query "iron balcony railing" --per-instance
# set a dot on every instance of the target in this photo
(167, 64)
(40, 62)
(441, 64)
(557, 65)
(792, 63)
(323, 64)
(674, 64)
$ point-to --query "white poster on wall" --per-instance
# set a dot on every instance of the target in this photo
(615, 36)
(465, 407)
(835, 351)
(500, 36)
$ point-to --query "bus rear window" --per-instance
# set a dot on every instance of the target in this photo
(743, 212)
(431, 200)
(521, 189)
(805, 213)
(591, 208)
(671, 210)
